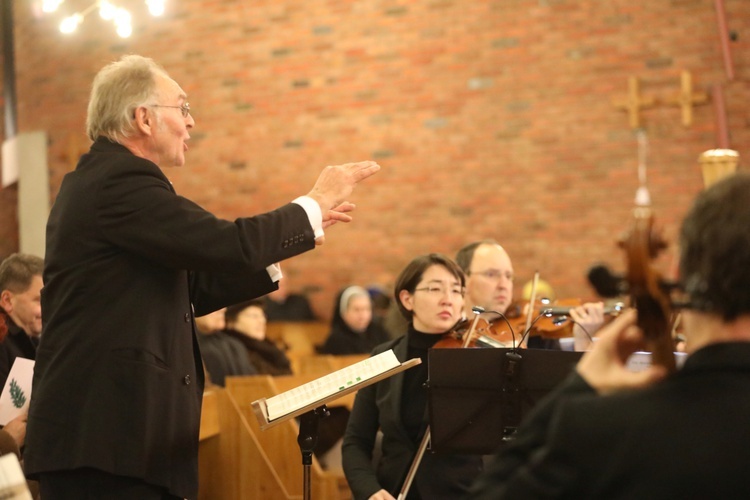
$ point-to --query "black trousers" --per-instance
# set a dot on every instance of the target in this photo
(93, 484)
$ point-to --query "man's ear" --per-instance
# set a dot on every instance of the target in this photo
(406, 300)
(144, 120)
(5, 301)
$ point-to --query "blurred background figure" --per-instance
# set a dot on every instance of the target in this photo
(246, 323)
(20, 300)
(283, 305)
(223, 356)
(353, 330)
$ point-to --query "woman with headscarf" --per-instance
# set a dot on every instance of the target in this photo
(353, 330)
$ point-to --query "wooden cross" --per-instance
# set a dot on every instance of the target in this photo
(634, 102)
(687, 98)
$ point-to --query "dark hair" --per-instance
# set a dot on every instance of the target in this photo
(17, 271)
(230, 315)
(465, 256)
(413, 272)
(715, 249)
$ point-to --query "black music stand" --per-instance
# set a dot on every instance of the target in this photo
(478, 397)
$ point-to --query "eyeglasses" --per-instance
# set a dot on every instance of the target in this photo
(494, 274)
(184, 109)
(441, 291)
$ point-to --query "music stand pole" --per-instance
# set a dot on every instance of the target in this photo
(307, 440)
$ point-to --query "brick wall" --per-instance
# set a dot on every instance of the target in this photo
(490, 118)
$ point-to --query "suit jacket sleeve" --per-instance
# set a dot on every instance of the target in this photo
(139, 212)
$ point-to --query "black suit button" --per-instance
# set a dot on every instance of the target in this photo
(187, 317)
(186, 380)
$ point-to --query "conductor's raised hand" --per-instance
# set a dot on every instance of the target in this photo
(605, 368)
(336, 183)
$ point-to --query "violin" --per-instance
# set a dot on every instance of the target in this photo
(484, 334)
(549, 320)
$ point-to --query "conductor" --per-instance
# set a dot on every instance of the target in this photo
(118, 382)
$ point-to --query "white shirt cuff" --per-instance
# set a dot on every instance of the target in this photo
(274, 271)
(314, 214)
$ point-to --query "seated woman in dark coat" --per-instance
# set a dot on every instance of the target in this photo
(353, 330)
(222, 355)
(246, 322)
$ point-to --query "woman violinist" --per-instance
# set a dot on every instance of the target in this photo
(429, 292)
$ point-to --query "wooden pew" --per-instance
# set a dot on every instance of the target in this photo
(299, 336)
(279, 444)
(232, 463)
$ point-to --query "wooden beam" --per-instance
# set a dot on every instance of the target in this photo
(721, 19)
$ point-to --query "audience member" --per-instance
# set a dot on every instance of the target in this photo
(20, 299)
(13, 434)
(353, 330)
(223, 356)
(609, 432)
(429, 292)
(381, 302)
(283, 305)
(246, 323)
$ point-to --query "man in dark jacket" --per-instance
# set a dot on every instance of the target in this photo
(20, 289)
(116, 401)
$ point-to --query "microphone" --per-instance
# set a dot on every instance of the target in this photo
(606, 283)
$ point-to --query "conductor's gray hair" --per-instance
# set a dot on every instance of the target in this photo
(118, 90)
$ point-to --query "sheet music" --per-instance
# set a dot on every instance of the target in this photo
(330, 384)
(15, 397)
(12, 481)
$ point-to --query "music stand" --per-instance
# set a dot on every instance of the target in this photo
(478, 397)
(325, 389)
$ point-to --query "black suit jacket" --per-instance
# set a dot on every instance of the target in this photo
(686, 437)
(378, 406)
(118, 380)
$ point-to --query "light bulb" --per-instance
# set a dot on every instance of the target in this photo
(155, 7)
(107, 10)
(69, 24)
(50, 5)
(124, 30)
